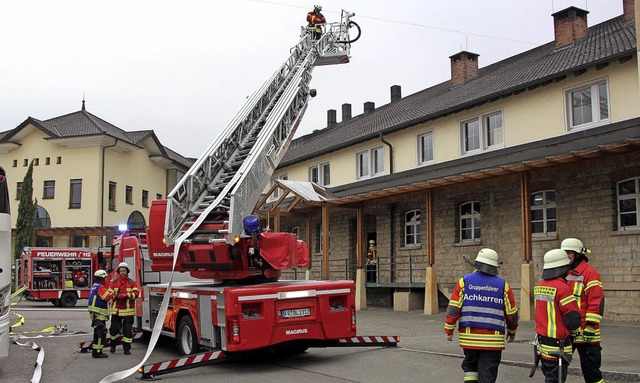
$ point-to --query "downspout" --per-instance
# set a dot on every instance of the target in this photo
(390, 152)
(104, 148)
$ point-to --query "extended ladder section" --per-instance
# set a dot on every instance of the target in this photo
(228, 179)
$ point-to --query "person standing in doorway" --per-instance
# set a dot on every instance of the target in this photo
(372, 262)
(586, 284)
(486, 308)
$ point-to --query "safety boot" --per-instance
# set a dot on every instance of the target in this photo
(99, 354)
(127, 352)
(113, 347)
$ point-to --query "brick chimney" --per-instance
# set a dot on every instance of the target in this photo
(570, 25)
(396, 93)
(331, 118)
(629, 10)
(369, 107)
(464, 67)
(346, 112)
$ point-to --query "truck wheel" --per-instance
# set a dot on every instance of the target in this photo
(68, 299)
(187, 342)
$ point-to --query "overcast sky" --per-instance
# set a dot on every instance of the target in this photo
(184, 68)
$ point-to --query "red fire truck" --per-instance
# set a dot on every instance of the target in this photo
(230, 300)
(59, 275)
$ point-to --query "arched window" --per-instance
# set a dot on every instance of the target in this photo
(412, 228)
(136, 221)
(41, 219)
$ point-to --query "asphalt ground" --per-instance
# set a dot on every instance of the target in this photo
(422, 347)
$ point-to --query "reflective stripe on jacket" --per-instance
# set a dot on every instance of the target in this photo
(477, 337)
(554, 300)
(124, 306)
(586, 284)
(98, 298)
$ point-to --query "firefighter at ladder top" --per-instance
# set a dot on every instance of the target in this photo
(99, 311)
(125, 291)
(586, 284)
(557, 316)
(486, 308)
(315, 20)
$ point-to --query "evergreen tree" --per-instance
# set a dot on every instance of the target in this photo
(26, 213)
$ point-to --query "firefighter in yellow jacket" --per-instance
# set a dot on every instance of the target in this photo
(486, 308)
(125, 291)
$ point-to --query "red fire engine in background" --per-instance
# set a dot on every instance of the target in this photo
(59, 275)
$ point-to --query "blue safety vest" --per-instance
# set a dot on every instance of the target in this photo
(97, 304)
(483, 302)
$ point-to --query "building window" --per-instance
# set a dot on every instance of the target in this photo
(370, 163)
(158, 196)
(47, 161)
(145, 198)
(470, 222)
(75, 197)
(425, 148)
(412, 228)
(36, 162)
(41, 219)
(15, 163)
(112, 196)
(18, 190)
(128, 195)
(49, 190)
(482, 133)
(543, 212)
(628, 192)
(276, 191)
(136, 221)
(588, 105)
(320, 174)
(25, 162)
(59, 160)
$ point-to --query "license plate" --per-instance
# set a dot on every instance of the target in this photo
(295, 313)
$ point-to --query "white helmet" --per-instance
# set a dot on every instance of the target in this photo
(123, 264)
(573, 244)
(556, 264)
(487, 261)
(100, 274)
(318, 7)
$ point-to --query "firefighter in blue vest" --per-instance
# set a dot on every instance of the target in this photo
(486, 308)
(99, 312)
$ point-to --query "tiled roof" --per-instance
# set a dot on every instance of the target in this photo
(610, 40)
(83, 123)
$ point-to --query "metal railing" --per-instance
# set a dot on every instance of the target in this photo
(391, 271)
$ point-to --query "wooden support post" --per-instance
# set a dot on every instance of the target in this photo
(325, 242)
